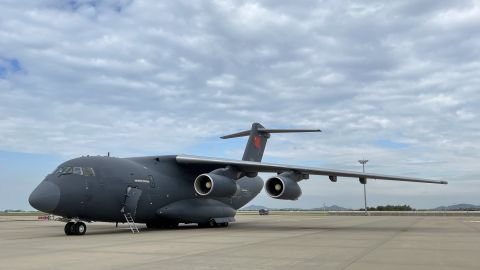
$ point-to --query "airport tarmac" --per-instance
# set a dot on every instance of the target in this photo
(253, 242)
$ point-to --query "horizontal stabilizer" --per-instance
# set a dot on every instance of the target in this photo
(235, 135)
(267, 130)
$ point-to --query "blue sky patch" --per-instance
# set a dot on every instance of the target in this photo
(3, 72)
(15, 65)
(98, 5)
(21, 173)
(75, 4)
(7, 66)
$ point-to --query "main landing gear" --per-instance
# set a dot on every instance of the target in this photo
(212, 223)
(162, 225)
(75, 228)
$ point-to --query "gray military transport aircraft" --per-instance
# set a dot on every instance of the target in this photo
(163, 191)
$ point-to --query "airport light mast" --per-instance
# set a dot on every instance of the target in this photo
(363, 162)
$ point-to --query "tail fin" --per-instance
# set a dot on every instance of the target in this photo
(258, 136)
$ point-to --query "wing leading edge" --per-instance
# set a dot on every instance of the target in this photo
(253, 167)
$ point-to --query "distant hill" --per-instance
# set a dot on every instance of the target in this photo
(331, 208)
(455, 207)
(254, 207)
(460, 206)
(327, 208)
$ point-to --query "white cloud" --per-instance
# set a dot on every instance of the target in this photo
(222, 81)
(145, 77)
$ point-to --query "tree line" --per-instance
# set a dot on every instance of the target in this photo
(390, 208)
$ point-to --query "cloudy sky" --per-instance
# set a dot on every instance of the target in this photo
(395, 82)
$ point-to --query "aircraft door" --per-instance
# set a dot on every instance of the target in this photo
(131, 200)
(87, 187)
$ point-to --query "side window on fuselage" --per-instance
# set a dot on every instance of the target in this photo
(152, 181)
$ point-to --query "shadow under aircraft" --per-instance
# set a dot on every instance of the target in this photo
(163, 191)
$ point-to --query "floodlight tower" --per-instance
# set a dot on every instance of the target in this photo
(363, 162)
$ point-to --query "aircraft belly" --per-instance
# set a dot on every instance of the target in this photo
(196, 210)
(248, 188)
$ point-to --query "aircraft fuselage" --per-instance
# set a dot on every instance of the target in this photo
(165, 187)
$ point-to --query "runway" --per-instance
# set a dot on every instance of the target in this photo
(253, 242)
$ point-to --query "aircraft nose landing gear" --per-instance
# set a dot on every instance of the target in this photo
(78, 228)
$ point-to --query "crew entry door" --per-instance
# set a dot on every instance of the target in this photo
(131, 200)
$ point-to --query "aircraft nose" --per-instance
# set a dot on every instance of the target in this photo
(45, 197)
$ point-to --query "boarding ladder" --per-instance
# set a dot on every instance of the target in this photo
(131, 222)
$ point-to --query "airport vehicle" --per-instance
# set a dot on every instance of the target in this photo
(163, 191)
(263, 212)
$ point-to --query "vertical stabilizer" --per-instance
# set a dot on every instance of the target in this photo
(256, 144)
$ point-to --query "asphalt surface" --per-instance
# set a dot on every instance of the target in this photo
(254, 242)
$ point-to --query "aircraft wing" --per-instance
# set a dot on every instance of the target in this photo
(253, 167)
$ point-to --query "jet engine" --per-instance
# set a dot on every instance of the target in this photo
(284, 186)
(214, 185)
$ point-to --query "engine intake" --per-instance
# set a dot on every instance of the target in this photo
(283, 186)
(214, 185)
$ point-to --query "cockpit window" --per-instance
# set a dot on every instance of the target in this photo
(87, 171)
(67, 170)
(77, 170)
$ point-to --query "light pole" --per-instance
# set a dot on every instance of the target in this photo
(363, 162)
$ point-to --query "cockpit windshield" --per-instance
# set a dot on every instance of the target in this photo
(77, 170)
(85, 171)
(67, 170)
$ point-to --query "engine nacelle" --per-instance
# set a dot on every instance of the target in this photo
(214, 185)
(283, 186)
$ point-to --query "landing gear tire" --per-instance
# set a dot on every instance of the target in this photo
(212, 223)
(172, 225)
(79, 228)
(224, 224)
(69, 228)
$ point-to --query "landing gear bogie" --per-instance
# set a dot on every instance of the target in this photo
(212, 224)
(72, 228)
(163, 225)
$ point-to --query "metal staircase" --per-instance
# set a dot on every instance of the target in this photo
(131, 222)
